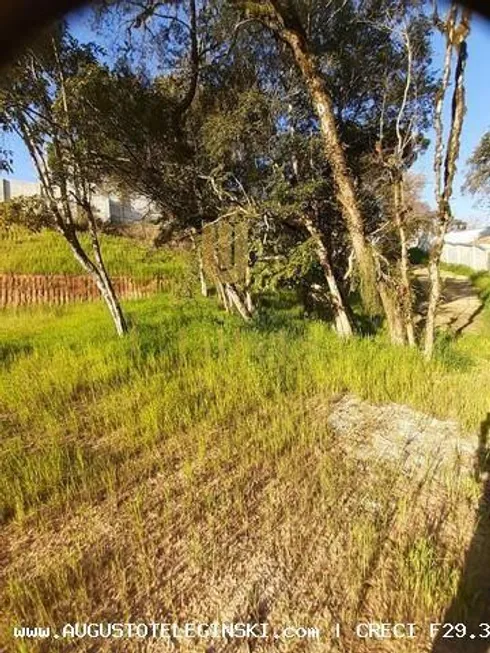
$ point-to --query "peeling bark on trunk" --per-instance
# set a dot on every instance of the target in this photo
(234, 299)
(202, 276)
(220, 289)
(335, 155)
(394, 316)
(455, 39)
(202, 280)
(101, 279)
(342, 319)
(248, 295)
(108, 294)
(197, 246)
(105, 286)
(434, 292)
(406, 299)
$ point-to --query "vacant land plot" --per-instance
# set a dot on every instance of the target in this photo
(189, 473)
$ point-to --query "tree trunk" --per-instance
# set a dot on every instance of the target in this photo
(197, 246)
(343, 325)
(335, 155)
(455, 39)
(434, 297)
(393, 313)
(406, 285)
(202, 276)
(105, 284)
(248, 295)
(202, 279)
(235, 300)
(101, 280)
(108, 293)
(220, 289)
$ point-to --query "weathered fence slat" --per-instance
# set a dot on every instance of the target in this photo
(59, 289)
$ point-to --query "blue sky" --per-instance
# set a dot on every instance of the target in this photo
(465, 207)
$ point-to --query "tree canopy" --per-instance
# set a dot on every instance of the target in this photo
(301, 117)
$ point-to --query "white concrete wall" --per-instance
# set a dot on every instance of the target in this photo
(107, 206)
(133, 210)
(475, 257)
(11, 188)
(101, 206)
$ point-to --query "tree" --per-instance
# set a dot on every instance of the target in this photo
(130, 134)
(455, 29)
(300, 26)
(284, 20)
(478, 177)
(398, 152)
(251, 128)
(270, 156)
(34, 104)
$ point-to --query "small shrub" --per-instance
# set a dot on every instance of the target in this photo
(418, 256)
(31, 213)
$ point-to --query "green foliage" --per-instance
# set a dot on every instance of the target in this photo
(458, 268)
(232, 134)
(418, 256)
(478, 177)
(30, 213)
(5, 160)
(482, 282)
(299, 266)
(129, 133)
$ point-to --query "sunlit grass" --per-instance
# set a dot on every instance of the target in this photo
(217, 415)
(70, 391)
(24, 252)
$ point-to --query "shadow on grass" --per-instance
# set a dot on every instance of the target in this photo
(279, 312)
(447, 354)
(471, 605)
(9, 352)
(367, 325)
(269, 321)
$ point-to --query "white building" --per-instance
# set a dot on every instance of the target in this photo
(470, 248)
(15, 188)
(107, 206)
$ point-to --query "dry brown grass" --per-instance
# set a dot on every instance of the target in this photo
(307, 535)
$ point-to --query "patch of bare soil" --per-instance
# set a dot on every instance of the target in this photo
(417, 444)
(434, 456)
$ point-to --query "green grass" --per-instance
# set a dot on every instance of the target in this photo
(481, 281)
(462, 270)
(184, 362)
(137, 472)
(26, 253)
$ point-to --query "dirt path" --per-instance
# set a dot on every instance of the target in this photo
(460, 307)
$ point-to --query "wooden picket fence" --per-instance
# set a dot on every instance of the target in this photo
(29, 289)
